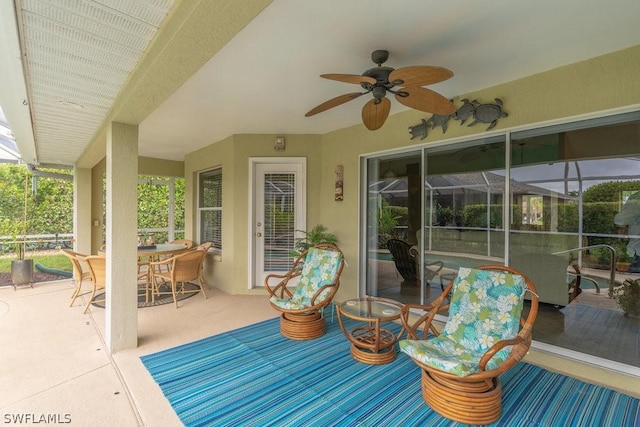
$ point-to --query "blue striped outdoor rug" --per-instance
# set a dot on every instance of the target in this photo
(254, 377)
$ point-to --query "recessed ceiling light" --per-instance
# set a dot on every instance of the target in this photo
(71, 104)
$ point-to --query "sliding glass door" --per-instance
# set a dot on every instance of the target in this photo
(559, 203)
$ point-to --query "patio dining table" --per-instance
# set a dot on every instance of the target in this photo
(150, 253)
(146, 254)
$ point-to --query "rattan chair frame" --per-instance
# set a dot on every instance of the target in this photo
(476, 398)
(307, 323)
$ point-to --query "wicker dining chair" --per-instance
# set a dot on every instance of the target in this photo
(318, 269)
(487, 332)
(98, 270)
(203, 247)
(186, 267)
(188, 244)
(81, 273)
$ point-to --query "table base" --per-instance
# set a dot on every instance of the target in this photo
(366, 351)
(370, 358)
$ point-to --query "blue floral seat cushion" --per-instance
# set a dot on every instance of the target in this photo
(320, 268)
(485, 308)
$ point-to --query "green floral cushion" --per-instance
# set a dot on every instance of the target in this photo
(320, 268)
(485, 308)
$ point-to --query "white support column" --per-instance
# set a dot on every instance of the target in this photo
(121, 313)
(82, 210)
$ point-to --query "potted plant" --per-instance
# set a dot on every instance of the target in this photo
(21, 267)
(623, 260)
(317, 235)
(628, 297)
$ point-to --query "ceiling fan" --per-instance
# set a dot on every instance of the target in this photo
(405, 83)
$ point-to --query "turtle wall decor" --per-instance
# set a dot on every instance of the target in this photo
(465, 111)
(487, 113)
(419, 130)
(481, 113)
(439, 120)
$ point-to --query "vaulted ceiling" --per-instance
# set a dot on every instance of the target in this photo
(193, 72)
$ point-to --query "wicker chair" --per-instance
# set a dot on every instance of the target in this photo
(486, 333)
(407, 261)
(203, 247)
(98, 270)
(182, 268)
(80, 274)
(318, 269)
(404, 261)
(143, 262)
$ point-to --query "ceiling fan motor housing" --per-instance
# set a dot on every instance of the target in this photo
(380, 56)
(381, 74)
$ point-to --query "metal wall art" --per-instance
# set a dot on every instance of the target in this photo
(419, 130)
(481, 113)
(487, 113)
(465, 111)
(439, 120)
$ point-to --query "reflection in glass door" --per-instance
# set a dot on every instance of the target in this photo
(464, 195)
(394, 206)
(426, 218)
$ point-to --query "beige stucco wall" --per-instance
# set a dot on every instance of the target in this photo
(230, 271)
(160, 167)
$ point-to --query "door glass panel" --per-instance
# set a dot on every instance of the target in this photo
(394, 206)
(464, 209)
(279, 220)
(573, 194)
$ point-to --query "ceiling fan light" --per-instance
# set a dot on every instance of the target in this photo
(389, 173)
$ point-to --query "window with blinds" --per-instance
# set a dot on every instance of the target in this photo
(210, 207)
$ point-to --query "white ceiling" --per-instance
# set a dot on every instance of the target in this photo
(267, 77)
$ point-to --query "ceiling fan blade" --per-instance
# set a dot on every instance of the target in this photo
(426, 100)
(420, 75)
(374, 115)
(334, 102)
(350, 78)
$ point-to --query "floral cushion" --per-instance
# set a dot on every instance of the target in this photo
(485, 308)
(320, 268)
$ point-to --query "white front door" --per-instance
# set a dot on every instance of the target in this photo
(278, 199)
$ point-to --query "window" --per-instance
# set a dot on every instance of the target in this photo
(210, 207)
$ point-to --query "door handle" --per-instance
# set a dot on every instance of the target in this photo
(258, 234)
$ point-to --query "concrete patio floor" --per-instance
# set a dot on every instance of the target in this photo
(54, 364)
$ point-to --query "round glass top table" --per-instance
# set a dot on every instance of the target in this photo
(371, 342)
(161, 249)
